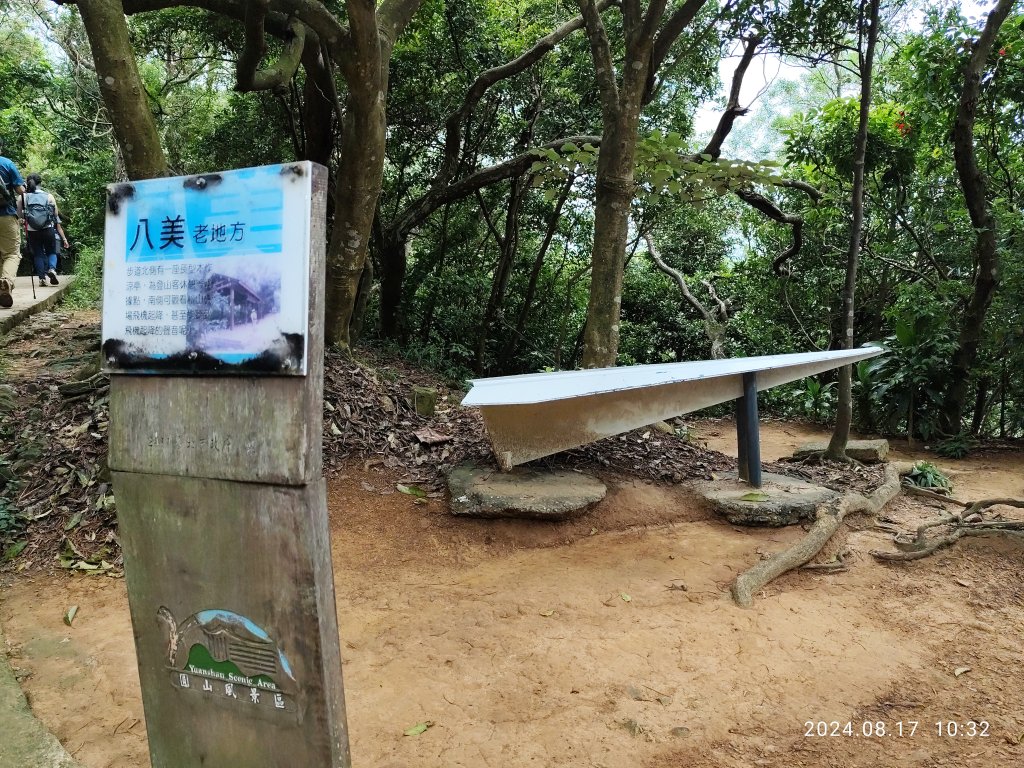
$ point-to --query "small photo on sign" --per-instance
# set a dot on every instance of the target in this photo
(239, 308)
(209, 274)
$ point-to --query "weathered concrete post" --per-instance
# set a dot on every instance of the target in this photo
(217, 465)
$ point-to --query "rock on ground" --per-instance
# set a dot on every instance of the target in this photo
(523, 492)
(24, 741)
(866, 451)
(780, 501)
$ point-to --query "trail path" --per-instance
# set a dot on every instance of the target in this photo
(562, 645)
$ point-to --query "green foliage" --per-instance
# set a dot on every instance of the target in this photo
(908, 381)
(664, 167)
(12, 528)
(88, 286)
(955, 447)
(823, 139)
(818, 400)
(926, 475)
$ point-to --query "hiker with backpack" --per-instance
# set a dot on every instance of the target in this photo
(42, 224)
(11, 185)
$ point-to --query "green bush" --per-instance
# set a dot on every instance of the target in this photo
(927, 475)
(955, 447)
(87, 289)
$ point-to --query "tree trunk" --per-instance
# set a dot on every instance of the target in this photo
(509, 246)
(622, 99)
(394, 260)
(986, 276)
(981, 401)
(362, 299)
(317, 109)
(844, 416)
(123, 92)
(358, 185)
(615, 173)
(512, 345)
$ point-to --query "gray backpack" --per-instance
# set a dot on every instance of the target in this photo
(39, 213)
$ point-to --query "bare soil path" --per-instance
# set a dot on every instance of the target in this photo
(531, 644)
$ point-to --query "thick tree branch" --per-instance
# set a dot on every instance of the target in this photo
(604, 67)
(417, 211)
(772, 211)
(812, 192)
(393, 16)
(652, 18)
(361, 64)
(453, 125)
(249, 77)
(674, 26)
(733, 108)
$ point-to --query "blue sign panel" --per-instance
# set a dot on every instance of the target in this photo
(209, 273)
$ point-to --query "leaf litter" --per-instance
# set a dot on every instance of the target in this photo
(53, 469)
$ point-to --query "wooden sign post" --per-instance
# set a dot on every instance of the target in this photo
(213, 329)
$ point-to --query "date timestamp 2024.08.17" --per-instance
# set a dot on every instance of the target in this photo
(898, 729)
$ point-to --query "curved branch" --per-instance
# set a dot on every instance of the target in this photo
(772, 211)
(421, 208)
(733, 108)
(811, 191)
(676, 24)
(487, 78)
(248, 75)
(679, 278)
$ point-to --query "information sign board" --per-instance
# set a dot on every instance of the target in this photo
(209, 274)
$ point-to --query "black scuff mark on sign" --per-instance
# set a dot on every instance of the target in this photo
(202, 181)
(282, 357)
(118, 193)
(294, 168)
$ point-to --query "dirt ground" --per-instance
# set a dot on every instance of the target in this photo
(529, 644)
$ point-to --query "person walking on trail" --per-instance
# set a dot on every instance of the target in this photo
(11, 186)
(42, 224)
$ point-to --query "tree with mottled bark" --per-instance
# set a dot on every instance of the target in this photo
(314, 37)
(123, 93)
(648, 37)
(986, 254)
(867, 39)
(714, 318)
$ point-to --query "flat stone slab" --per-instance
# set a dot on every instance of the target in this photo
(780, 501)
(24, 741)
(866, 451)
(522, 493)
(25, 304)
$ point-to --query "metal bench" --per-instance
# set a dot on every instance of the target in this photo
(538, 414)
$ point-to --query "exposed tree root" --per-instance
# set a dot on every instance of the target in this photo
(836, 565)
(970, 522)
(828, 518)
(916, 490)
(822, 457)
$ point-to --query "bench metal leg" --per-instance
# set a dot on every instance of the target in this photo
(748, 433)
